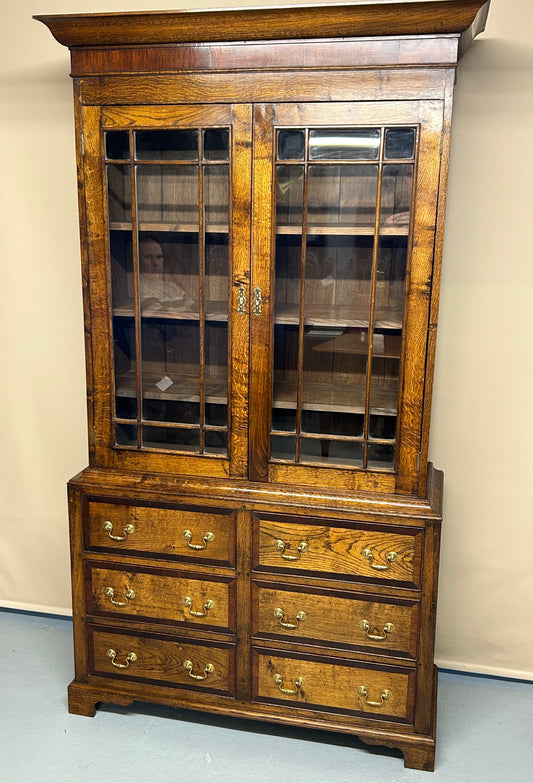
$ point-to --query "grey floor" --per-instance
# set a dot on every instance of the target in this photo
(485, 731)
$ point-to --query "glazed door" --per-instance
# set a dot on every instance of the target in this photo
(168, 285)
(345, 206)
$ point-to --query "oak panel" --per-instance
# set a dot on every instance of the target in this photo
(161, 660)
(141, 594)
(160, 531)
(334, 549)
(334, 685)
(336, 618)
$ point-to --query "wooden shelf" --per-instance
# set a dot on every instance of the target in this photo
(214, 311)
(184, 388)
(336, 398)
(341, 229)
(178, 228)
(336, 315)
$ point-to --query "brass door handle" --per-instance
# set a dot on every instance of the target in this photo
(209, 669)
(110, 593)
(363, 691)
(280, 545)
(241, 299)
(187, 535)
(391, 557)
(299, 682)
(130, 658)
(209, 604)
(300, 617)
(108, 527)
(257, 301)
(375, 635)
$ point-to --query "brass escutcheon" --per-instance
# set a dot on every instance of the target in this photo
(108, 527)
(299, 682)
(374, 634)
(130, 658)
(362, 690)
(110, 593)
(300, 617)
(209, 669)
(391, 557)
(280, 545)
(209, 604)
(187, 535)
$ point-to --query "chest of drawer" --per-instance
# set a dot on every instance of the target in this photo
(342, 686)
(324, 547)
(170, 597)
(164, 661)
(345, 619)
(203, 535)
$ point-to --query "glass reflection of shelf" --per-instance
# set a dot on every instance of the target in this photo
(337, 315)
(213, 311)
(185, 388)
(341, 229)
(345, 398)
(178, 228)
(387, 346)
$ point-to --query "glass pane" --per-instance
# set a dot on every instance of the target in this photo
(216, 144)
(344, 144)
(125, 368)
(342, 196)
(291, 144)
(284, 419)
(166, 145)
(168, 194)
(216, 442)
(282, 448)
(333, 423)
(117, 145)
(399, 143)
(382, 427)
(396, 196)
(172, 438)
(216, 373)
(168, 273)
(289, 196)
(122, 283)
(380, 456)
(126, 434)
(216, 197)
(331, 452)
(118, 194)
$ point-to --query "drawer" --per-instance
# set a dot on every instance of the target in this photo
(161, 660)
(181, 533)
(342, 686)
(324, 547)
(172, 597)
(337, 618)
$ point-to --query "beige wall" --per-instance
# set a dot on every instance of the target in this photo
(482, 422)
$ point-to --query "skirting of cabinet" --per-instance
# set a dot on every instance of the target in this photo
(418, 749)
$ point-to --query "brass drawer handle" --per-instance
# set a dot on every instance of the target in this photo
(209, 669)
(257, 301)
(108, 527)
(209, 604)
(375, 635)
(241, 300)
(281, 546)
(187, 535)
(130, 658)
(300, 617)
(299, 682)
(391, 557)
(385, 694)
(110, 593)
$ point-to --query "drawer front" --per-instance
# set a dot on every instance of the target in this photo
(345, 619)
(181, 533)
(162, 661)
(328, 548)
(334, 685)
(175, 598)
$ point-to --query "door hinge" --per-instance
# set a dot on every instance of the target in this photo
(82, 143)
(419, 462)
(94, 435)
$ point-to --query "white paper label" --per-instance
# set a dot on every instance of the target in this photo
(164, 383)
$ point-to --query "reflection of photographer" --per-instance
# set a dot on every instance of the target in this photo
(157, 290)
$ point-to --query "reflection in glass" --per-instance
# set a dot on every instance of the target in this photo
(289, 195)
(124, 360)
(344, 144)
(167, 194)
(118, 193)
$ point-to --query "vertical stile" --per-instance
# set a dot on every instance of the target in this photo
(201, 270)
(375, 252)
(136, 288)
(301, 312)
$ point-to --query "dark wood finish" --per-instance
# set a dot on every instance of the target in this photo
(355, 549)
